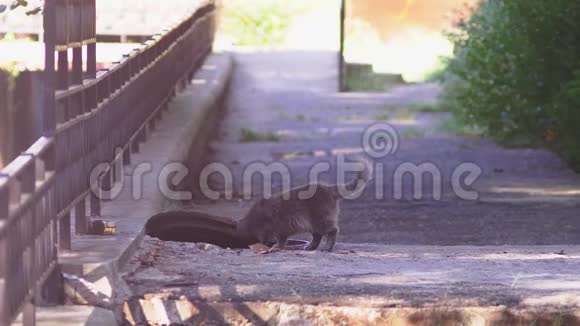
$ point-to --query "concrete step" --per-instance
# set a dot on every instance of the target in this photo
(363, 284)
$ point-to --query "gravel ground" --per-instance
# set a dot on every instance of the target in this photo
(526, 196)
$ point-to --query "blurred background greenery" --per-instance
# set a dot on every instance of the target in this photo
(516, 73)
(509, 68)
(257, 23)
(397, 39)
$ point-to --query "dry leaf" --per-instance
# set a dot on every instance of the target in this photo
(259, 248)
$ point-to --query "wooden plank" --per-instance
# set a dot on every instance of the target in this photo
(81, 217)
(64, 236)
(6, 126)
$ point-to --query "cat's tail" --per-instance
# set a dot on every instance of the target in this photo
(359, 183)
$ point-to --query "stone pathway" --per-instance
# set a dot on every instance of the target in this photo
(511, 253)
(526, 196)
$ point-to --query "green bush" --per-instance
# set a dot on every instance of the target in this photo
(251, 136)
(516, 72)
(257, 22)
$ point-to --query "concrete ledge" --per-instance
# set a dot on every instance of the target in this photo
(152, 312)
(359, 284)
(91, 268)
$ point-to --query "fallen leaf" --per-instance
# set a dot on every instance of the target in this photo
(33, 11)
(259, 248)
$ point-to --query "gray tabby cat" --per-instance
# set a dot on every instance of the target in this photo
(271, 221)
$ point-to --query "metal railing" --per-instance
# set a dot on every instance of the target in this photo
(88, 115)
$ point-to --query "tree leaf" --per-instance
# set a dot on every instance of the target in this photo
(33, 11)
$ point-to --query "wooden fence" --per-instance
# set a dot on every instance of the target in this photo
(87, 115)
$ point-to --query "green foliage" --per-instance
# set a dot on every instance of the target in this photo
(565, 115)
(438, 72)
(382, 117)
(429, 107)
(18, 4)
(454, 127)
(251, 136)
(513, 71)
(13, 68)
(365, 83)
(11, 37)
(256, 22)
(413, 133)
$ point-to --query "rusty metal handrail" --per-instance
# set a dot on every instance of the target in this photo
(89, 115)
